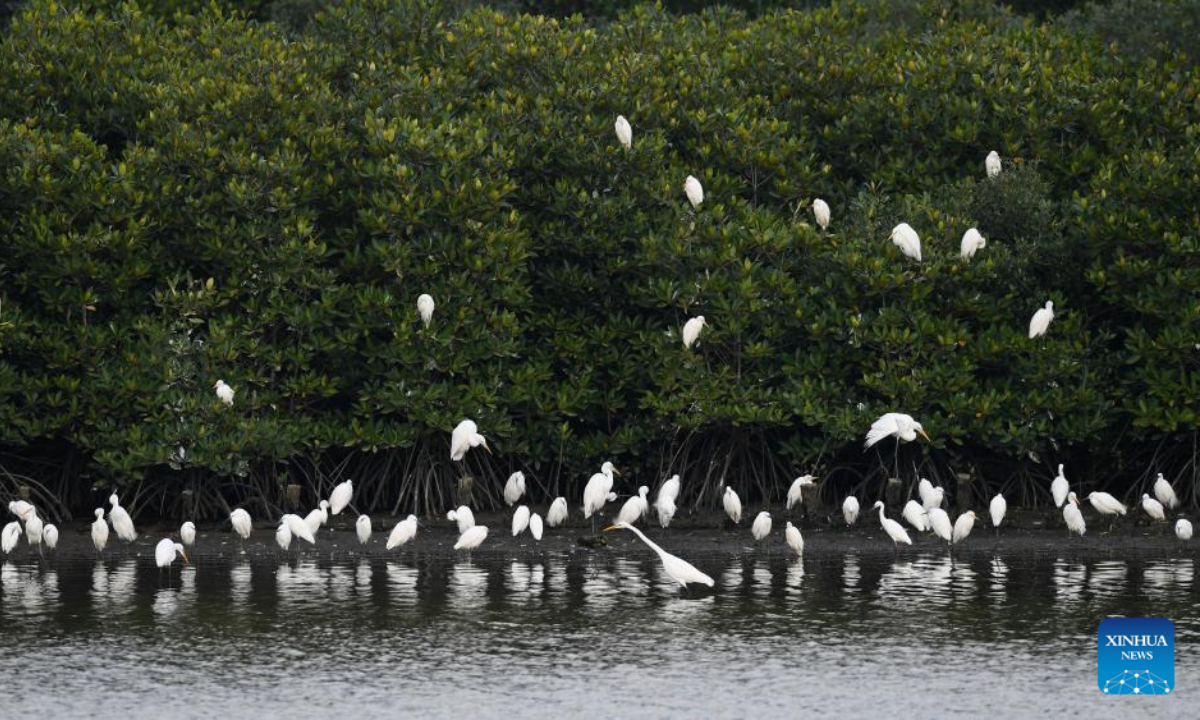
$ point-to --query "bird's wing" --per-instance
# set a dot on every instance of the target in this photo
(881, 428)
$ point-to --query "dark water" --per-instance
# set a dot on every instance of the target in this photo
(861, 636)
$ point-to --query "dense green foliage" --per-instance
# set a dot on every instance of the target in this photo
(211, 198)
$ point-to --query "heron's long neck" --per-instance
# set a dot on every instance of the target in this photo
(881, 513)
(646, 540)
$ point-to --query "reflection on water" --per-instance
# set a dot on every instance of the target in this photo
(550, 636)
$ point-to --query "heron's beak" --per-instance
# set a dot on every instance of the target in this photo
(185, 557)
(616, 471)
(485, 447)
(922, 431)
(610, 527)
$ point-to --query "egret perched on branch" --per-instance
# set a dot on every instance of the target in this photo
(940, 522)
(340, 497)
(997, 509)
(300, 528)
(1072, 517)
(166, 551)
(22, 509)
(404, 531)
(820, 210)
(992, 164)
(224, 393)
(962, 527)
(1165, 493)
(972, 242)
(471, 538)
(121, 522)
(464, 437)
(624, 132)
(50, 535)
(557, 514)
(1153, 507)
(794, 539)
(595, 493)
(9, 537)
(894, 530)
(678, 569)
(691, 330)
(463, 516)
(914, 513)
(362, 528)
(514, 488)
(1040, 321)
(535, 526)
(665, 502)
(187, 533)
(425, 309)
(99, 531)
(1060, 488)
(694, 190)
(732, 504)
(850, 509)
(795, 495)
(520, 520)
(898, 425)
(283, 537)
(1106, 504)
(242, 525)
(1183, 529)
(761, 526)
(635, 507)
(905, 238)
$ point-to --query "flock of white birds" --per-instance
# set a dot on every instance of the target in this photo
(926, 516)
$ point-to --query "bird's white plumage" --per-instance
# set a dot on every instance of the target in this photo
(915, 515)
(997, 509)
(464, 437)
(691, 330)
(935, 499)
(624, 132)
(595, 493)
(299, 528)
(463, 517)
(992, 164)
(22, 509)
(224, 393)
(1183, 529)
(1165, 493)
(535, 526)
(471, 538)
(850, 510)
(939, 521)
(972, 242)
(732, 504)
(340, 497)
(820, 210)
(99, 531)
(898, 425)
(1059, 488)
(1073, 517)
(404, 531)
(33, 530)
(166, 551)
(425, 308)
(925, 492)
(283, 537)
(694, 191)
(1040, 321)
(1153, 507)
(894, 529)
(634, 507)
(1106, 504)
(962, 526)
(557, 514)
(664, 504)
(795, 494)
(10, 536)
(514, 488)
(362, 528)
(242, 525)
(678, 569)
(187, 533)
(761, 527)
(50, 536)
(905, 238)
(520, 520)
(121, 522)
(794, 539)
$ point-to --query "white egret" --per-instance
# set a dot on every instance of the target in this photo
(635, 507)
(224, 393)
(1183, 529)
(1165, 493)
(187, 533)
(557, 514)
(992, 164)
(820, 210)
(761, 526)
(9, 536)
(404, 531)
(694, 190)
(1106, 504)
(678, 569)
(514, 488)
(595, 493)
(340, 497)
(283, 537)
(1153, 507)
(905, 238)
(242, 525)
(299, 528)
(165, 552)
(425, 309)
(1040, 321)
(732, 504)
(22, 509)
(99, 531)
(362, 528)
(520, 520)
(33, 531)
(624, 132)
(972, 242)
(914, 513)
(850, 509)
(935, 499)
(471, 538)
(50, 535)
(691, 330)
(894, 529)
(795, 495)
(1073, 517)
(464, 437)
(535, 526)
(665, 503)
(794, 539)
(962, 526)
(1059, 488)
(925, 492)
(463, 516)
(997, 509)
(121, 522)
(897, 425)
(940, 522)
(324, 508)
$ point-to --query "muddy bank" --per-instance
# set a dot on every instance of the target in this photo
(701, 535)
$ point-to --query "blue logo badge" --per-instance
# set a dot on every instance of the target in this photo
(1136, 656)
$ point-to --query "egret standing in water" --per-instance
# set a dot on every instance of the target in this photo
(520, 520)
(761, 526)
(732, 504)
(241, 522)
(1183, 529)
(850, 510)
(514, 488)
(624, 132)
(463, 517)
(33, 531)
(299, 528)
(1040, 322)
(187, 533)
(535, 526)
(340, 497)
(635, 507)
(1073, 517)
(821, 213)
(595, 493)
(472, 538)
(362, 528)
(404, 531)
(1165, 493)
(665, 502)
(1059, 488)
(166, 551)
(997, 510)
(678, 569)
(121, 522)
(794, 539)
(691, 330)
(464, 437)
(905, 238)
(22, 509)
(894, 529)
(962, 527)
(50, 535)
(694, 191)
(99, 531)
(1153, 507)
(914, 513)
(283, 536)
(795, 495)
(10, 536)
(557, 514)
(425, 309)
(1106, 504)
(940, 522)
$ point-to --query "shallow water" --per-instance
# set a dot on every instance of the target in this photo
(598, 636)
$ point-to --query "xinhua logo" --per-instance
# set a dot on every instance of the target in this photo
(1136, 656)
